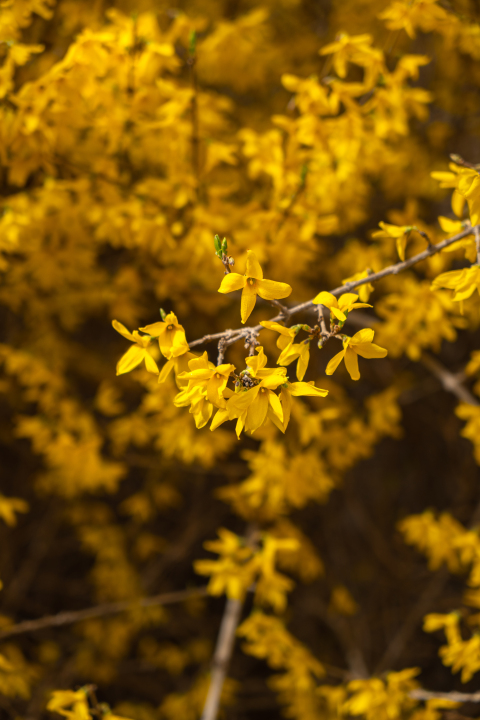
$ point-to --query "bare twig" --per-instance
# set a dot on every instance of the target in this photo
(404, 633)
(192, 63)
(221, 658)
(476, 232)
(454, 696)
(452, 383)
(74, 616)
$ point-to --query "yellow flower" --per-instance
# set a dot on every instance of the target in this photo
(464, 282)
(360, 344)
(298, 389)
(210, 378)
(290, 350)
(401, 233)
(251, 407)
(136, 354)
(179, 364)
(341, 307)
(343, 48)
(253, 284)
(170, 334)
(364, 291)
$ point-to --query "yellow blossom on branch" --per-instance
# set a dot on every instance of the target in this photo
(463, 282)
(170, 334)
(360, 344)
(341, 307)
(400, 233)
(298, 389)
(252, 284)
(136, 354)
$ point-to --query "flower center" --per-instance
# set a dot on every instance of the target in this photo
(251, 281)
(169, 327)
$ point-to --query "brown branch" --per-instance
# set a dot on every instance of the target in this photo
(453, 696)
(476, 232)
(348, 287)
(450, 382)
(221, 658)
(74, 616)
(195, 138)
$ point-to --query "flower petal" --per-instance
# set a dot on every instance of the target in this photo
(253, 266)
(351, 363)
(155, 329)
(131, 359)
(231, 282)
(276, 405)
(123, 330)
(325, 298)
(288, 332)
(165, 371)
(220, 417)
(272, 290)
(303, 388)
(150, 363)
(257, 412)
(370, 350)
(286, 405)
(338, 314)
(344, 301)
(273, 381)
(334, 362)
(365, 335)
(249, 298)
(303, 361)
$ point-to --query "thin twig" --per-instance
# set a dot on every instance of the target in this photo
(453, 696)
(476, 232)
(74, 616)
(348, 287)
(452, 383)
(221, 658)
(192, 63)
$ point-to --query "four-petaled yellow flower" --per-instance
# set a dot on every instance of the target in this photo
(401, 233)
(290, 350)
(170, 334)
(298, 389)
(464, 282)
(136, 354)
(211, 379)
(360, 344)
(253, 284)
(341, 307)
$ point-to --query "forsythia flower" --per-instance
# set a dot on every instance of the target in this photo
(360, 344)
(364, 291)
(464, 282)
(400, 233)
(135, 354)
(298, 389)
(211, 379)
(290, 350)
(341, 307)
(253, 284)
(170, 334)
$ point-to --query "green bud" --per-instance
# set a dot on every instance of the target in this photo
(163, 314)
(224, 246)
(192, 43)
